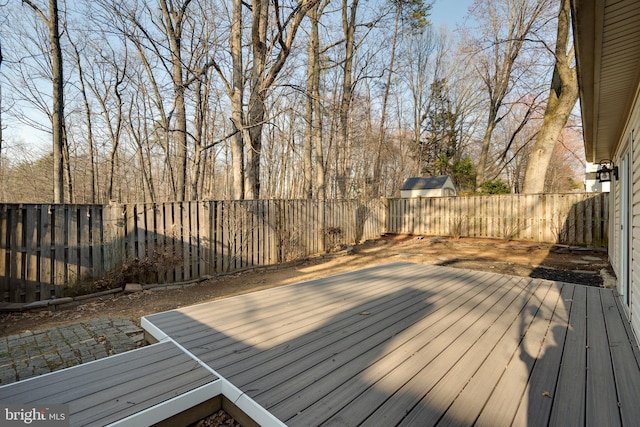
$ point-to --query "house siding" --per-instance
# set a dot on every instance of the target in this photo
(627, 143)
(635, 226)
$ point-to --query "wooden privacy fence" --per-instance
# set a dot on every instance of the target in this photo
(46, 249)
(575, 219)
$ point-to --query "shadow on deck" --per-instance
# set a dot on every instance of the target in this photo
(397, 344)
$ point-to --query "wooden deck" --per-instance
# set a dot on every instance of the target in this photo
(111, 389)
(417, 345)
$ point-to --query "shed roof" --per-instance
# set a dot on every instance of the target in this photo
(425, 182)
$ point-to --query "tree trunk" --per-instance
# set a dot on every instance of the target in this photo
(484, 151)
(312, 70)
(89, 124)
(313, 132)
(173, 21)
(58, 104)
(562, 98)
(256, 108)
(343, 155)
(262, 78)
(237, 88)
(509, 22)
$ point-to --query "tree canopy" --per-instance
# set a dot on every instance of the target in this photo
(194, 99)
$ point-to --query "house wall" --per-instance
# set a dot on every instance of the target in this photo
(618, 235)
(433, 192)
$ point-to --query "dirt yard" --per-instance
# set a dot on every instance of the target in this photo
(575, 265)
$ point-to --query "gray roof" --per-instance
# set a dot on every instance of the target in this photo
(425, 182)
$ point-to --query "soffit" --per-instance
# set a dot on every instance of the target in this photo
(607, 38)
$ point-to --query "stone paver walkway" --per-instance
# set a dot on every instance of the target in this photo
(39, 352)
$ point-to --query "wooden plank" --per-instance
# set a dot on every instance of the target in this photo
(113, 238)
(569, 398)
(71, 381)
(32, 273)
(175, 217)
(194, 238)
(444, 378)
(226, 236)
(625, 361)
(84, 241)
(97, 233)
(387, 367)
(187, 248)
(547, 218)
(253, 233)
(46, 259)
(358, 362)
(151, 239)
(588, 219)
(510, 390)
(112, 388)
(469, 403)
(312, 349)
(4, 252)
(130, 233)
(144, 398)
(384, 308)
(312, 306)
(540, 388)
(15, 261)
(204, 239)
(243, 235)
(161, 243)
(579, 207)
(59, 249)
(219, 237)
(307, 363)
(601, 399)
(140, 230)
(73, 260)
(275, 219)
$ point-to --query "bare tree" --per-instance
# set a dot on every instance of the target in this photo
(505, 27)
(51, 19)
(562, 98)
(313, 114)
(269, 54)
(412, 13)
(343, 155)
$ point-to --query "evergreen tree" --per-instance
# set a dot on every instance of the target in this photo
(438, 150)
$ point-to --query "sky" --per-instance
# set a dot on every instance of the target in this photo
(449, 12)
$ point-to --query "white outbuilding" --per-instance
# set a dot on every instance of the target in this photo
(428, 186)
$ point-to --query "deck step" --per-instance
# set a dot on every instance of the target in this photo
(114, 388)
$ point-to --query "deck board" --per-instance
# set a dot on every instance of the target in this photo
(437, 384)
(624, 361)
(569, 397)
(436, 400)
(533, 324)
(110, 389)
(535, 406)
(602, 409)
(411, 344)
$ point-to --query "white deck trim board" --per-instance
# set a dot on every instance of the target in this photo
(171, 407)
(153, 330)
(239, 398)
